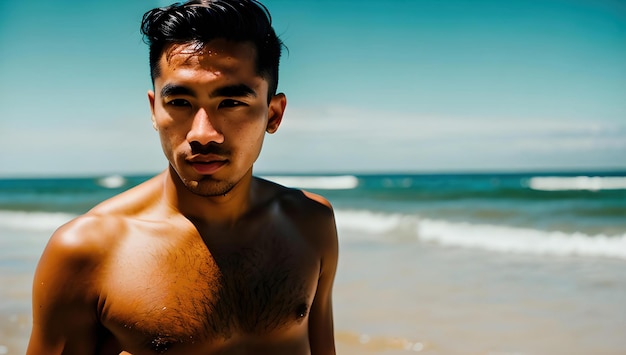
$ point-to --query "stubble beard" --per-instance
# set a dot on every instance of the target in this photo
(209, 187)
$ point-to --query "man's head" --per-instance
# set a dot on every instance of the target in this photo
(198, 22)
(214, 69)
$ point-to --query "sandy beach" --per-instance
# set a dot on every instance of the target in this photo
(432, 300)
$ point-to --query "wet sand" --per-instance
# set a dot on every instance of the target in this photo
(15, 313)
(418, 298)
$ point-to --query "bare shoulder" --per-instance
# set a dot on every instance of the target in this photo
(319, 216)
(299, 201)
(78, 249)
(81, 247)
(311, 213)
(93, 236)
(87, 235)
(318, 212)
(317, 198)
(313, 205)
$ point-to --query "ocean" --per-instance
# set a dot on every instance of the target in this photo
(482, 263)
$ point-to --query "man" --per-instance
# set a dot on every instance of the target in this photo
(203, 258)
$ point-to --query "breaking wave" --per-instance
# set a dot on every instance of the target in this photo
(359, 225)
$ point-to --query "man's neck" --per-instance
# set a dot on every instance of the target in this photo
(221, 210)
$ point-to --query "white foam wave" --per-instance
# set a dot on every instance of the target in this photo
(521, 240)
(112, 181)
(375, 223)
(340, 182)
(593, 183)
(34, 221)
(365, 225)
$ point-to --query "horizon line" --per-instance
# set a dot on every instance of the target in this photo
(356, 172)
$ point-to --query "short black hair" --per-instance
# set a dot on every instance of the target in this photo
(200, 21)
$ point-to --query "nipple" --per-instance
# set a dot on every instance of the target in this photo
(302, 310)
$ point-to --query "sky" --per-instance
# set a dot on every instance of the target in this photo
(372, 87)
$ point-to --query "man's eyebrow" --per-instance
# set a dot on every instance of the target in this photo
(237, 90)
(173, 89)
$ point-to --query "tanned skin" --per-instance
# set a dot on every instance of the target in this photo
(203, 258)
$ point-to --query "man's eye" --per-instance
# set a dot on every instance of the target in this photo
(231, 103)
(179, 103)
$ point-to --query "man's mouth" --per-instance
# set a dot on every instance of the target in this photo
(208, 168)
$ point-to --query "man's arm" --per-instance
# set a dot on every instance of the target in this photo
(321, 330)
(64, 292)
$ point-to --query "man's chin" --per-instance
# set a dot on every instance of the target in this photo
(209, 188)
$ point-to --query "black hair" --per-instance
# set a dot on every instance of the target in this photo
(200, 21)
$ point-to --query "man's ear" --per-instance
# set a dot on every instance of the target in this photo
(151, 100)
(276, 112)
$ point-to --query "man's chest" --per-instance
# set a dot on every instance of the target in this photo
(170, 294)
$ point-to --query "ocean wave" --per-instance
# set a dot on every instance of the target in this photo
(591, 183)
(112, 181)
(339, 182)
(364, 225)
(371, 226)
(33, 221)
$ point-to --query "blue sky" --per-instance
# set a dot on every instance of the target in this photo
(372, 86)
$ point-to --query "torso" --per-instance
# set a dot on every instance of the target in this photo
(175, 287)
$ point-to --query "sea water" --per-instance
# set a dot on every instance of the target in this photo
(528, 263)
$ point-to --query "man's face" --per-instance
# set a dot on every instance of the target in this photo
(210, 108)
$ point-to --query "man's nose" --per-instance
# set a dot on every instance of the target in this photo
(203, 130)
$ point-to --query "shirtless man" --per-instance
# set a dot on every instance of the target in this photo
(203, 258)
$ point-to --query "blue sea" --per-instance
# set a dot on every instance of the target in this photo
(440, 263)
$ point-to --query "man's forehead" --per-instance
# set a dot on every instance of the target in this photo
(231, 63)
(218, 52)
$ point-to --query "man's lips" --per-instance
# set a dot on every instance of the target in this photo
(207, 167)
